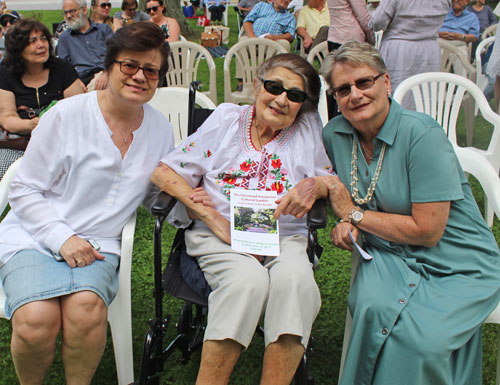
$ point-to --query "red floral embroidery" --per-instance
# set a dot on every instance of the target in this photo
(246, 165)
(229, 179)
(276, 163)
(277, 186)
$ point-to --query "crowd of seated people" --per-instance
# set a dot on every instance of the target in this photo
(389, 174)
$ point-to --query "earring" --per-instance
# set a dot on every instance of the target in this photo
(389, 93)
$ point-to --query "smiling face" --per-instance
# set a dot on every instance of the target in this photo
(277, 111)
(362, 108)
(459, 6)
(101, 9)
(134, 89)
(37, 51)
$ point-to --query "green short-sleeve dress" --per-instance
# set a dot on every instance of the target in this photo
(417, 311)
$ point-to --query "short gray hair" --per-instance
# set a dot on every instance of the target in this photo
(300, 66)
(353, 53)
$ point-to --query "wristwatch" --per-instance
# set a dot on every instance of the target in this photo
(356, 215)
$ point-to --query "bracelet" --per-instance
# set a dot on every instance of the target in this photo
(341, 221)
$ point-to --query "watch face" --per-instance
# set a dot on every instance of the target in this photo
(357, 216)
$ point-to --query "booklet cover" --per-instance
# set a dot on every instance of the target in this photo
(253, 227)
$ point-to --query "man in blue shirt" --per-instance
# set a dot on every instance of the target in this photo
(272, 21)
(460, 25)
(83, 44)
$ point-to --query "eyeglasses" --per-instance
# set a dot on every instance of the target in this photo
(71, 11)
(152, 9)
(361, 84)
(276, 88)
(132, 9)
(105, 5)
(129, 68)
(5, 21)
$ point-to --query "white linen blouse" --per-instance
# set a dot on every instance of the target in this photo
(73, 180)
(221, 156)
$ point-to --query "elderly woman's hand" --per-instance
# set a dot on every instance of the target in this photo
(301, 198)
(340, 198)
(78, 252)
(340, 235)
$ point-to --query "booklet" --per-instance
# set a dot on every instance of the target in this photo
(253, 227)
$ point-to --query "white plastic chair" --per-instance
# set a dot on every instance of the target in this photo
(474, 164)
(482, 78)
(208, 15)
(453, 59)
(249, 54)
(120, 310)
(489, 31)
(184, 63)
(440, 95)
(319, 52)
(173, 103)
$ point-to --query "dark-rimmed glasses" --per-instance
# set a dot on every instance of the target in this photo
(8, 20)
(131, 68)
(132, 10)
(152, 9)
(105, 5)
(362, 84)
(275, 88)
(71, 11)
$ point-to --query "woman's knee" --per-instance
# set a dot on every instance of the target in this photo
(83, 310)
(37, 323)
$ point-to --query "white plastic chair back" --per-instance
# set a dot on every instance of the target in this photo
(319, 52)
(173, 103)
(482, 78)
(184, 63)
(208, 15)
(440, 95)
(378, 38)
(248, 55)
(453, 59)
(489, 31)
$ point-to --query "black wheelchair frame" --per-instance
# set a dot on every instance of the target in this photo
(191, 324)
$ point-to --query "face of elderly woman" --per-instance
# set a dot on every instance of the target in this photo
(277, 111)
(37, 50)
(369, 106)
(130, 83)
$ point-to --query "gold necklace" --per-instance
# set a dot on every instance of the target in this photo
(354, 175)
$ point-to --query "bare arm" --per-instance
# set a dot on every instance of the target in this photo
(172, 183)
(424, 227)
(9, 118)
(283, 36)
(74, 89)
(173, 29)
(248, 27)
(117, 24)
(302, 32)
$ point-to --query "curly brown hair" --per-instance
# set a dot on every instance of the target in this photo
(18, 38)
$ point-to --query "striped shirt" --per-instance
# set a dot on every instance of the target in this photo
(267, 20)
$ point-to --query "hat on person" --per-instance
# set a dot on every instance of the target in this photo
(9, 13)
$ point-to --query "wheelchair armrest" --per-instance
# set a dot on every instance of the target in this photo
(316, 217)
(163, 204)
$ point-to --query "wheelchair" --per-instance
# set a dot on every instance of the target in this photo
(193, 288)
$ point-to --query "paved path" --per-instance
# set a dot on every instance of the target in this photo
(19, 5)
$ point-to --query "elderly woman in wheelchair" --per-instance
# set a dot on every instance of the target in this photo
(274, 144)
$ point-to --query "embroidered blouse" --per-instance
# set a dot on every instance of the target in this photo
(221, 156)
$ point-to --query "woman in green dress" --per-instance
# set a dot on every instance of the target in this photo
(419, 304)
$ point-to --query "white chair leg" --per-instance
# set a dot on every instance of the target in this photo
(489, 213)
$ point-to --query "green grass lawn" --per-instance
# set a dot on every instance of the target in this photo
(332, 277)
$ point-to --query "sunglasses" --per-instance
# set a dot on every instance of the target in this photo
(276, 88)
(361, 84)
(129, 68)
(105, 5)
(5, 21)
(132, 9)
(152, 9)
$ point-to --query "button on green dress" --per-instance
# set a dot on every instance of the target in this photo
(417, 311)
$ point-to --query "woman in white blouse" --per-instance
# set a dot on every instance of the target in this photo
(273, 145)
(84, 173)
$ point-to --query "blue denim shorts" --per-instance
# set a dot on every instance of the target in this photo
(30, 276)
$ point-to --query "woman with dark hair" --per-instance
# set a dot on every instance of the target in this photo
(31, 77)
(274, 145)
(99, 12)
(128, 14)
(83, 175)
(169, 26)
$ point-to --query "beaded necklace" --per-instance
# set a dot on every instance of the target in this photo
(354, 175)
